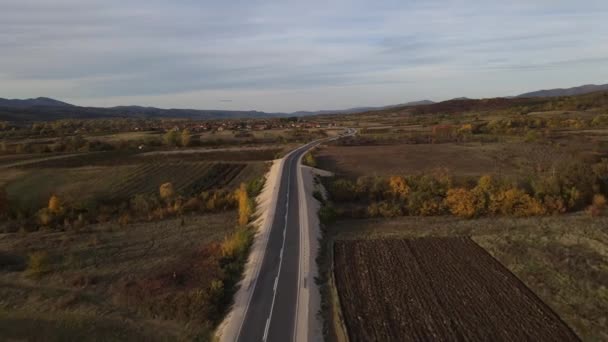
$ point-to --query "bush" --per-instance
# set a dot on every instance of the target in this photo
(309, 160)
(462, 202)
(327, 214)
(166, 191)
(598, 206)
(38, 263)
(244, 205)
(515, 202)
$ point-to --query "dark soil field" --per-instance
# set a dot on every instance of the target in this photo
(436, 289)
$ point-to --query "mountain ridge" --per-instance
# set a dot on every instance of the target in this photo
(579, 90)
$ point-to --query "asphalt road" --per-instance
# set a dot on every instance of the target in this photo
(271, 310)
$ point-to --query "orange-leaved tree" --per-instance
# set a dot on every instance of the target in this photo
(398, 187)
(54, 204)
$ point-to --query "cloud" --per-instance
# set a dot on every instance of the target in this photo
(271, 55)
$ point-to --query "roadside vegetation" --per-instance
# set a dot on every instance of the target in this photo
(526, 179)
(126, 243)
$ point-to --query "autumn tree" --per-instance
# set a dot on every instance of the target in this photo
(171, 138)
(54, 205)
(398, 187)
(166, 191)
(244, 208)
(461, 202)
(186, 138)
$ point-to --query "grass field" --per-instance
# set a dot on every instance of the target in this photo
(436, 289)
(563, 259)
(77, 295)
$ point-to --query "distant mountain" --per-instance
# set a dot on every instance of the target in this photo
(360, 109)
(585, 89)
(37, 102)
(46, 109)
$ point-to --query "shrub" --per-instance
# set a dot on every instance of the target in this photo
(342, 190)
(309, 160)
(462, 202)
(54, 205)
(327, 214)
(398, 186)
(598, 206)
(45, 217)
(186, 138)
(515, 202)
(244, 207)
(388, 209)
(167, 191)
(38, 263)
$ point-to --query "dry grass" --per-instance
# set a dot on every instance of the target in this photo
(76, 296)
(563, 259)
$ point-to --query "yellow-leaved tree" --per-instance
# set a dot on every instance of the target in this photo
(186, 138)
(167, 191)
(244, 209)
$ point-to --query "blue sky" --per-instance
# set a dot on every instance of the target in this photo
(296, 55)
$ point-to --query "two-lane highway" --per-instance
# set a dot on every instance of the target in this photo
(270, 314)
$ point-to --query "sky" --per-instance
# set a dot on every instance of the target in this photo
(284, 55)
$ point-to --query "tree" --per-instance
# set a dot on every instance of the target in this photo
(54, 204)
(244, 208)
(171, 138)
(310, 160)
(167, 191)
(398, 187)
(186, 139)
(461, 202)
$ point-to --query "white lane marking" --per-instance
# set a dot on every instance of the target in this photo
(266, 329)
(274, 294)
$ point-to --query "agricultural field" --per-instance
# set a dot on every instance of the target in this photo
(119, 175)
(80, 286)
(526, 185)
(436, 289)
(82, 184)
(562, 259)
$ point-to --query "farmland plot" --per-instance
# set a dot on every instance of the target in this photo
(436, 289)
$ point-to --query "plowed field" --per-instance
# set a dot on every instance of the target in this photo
(439, 289)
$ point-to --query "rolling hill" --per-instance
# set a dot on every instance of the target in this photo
(584, 89)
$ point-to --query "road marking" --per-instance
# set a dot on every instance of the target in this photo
(274, 295)
(266, 329)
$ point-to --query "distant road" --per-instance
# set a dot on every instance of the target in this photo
(271, 312)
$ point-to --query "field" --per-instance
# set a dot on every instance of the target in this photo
(461, 159)
(119, 175)
(563, 259)
(122, 182)
(436, 289)
(79, 295)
